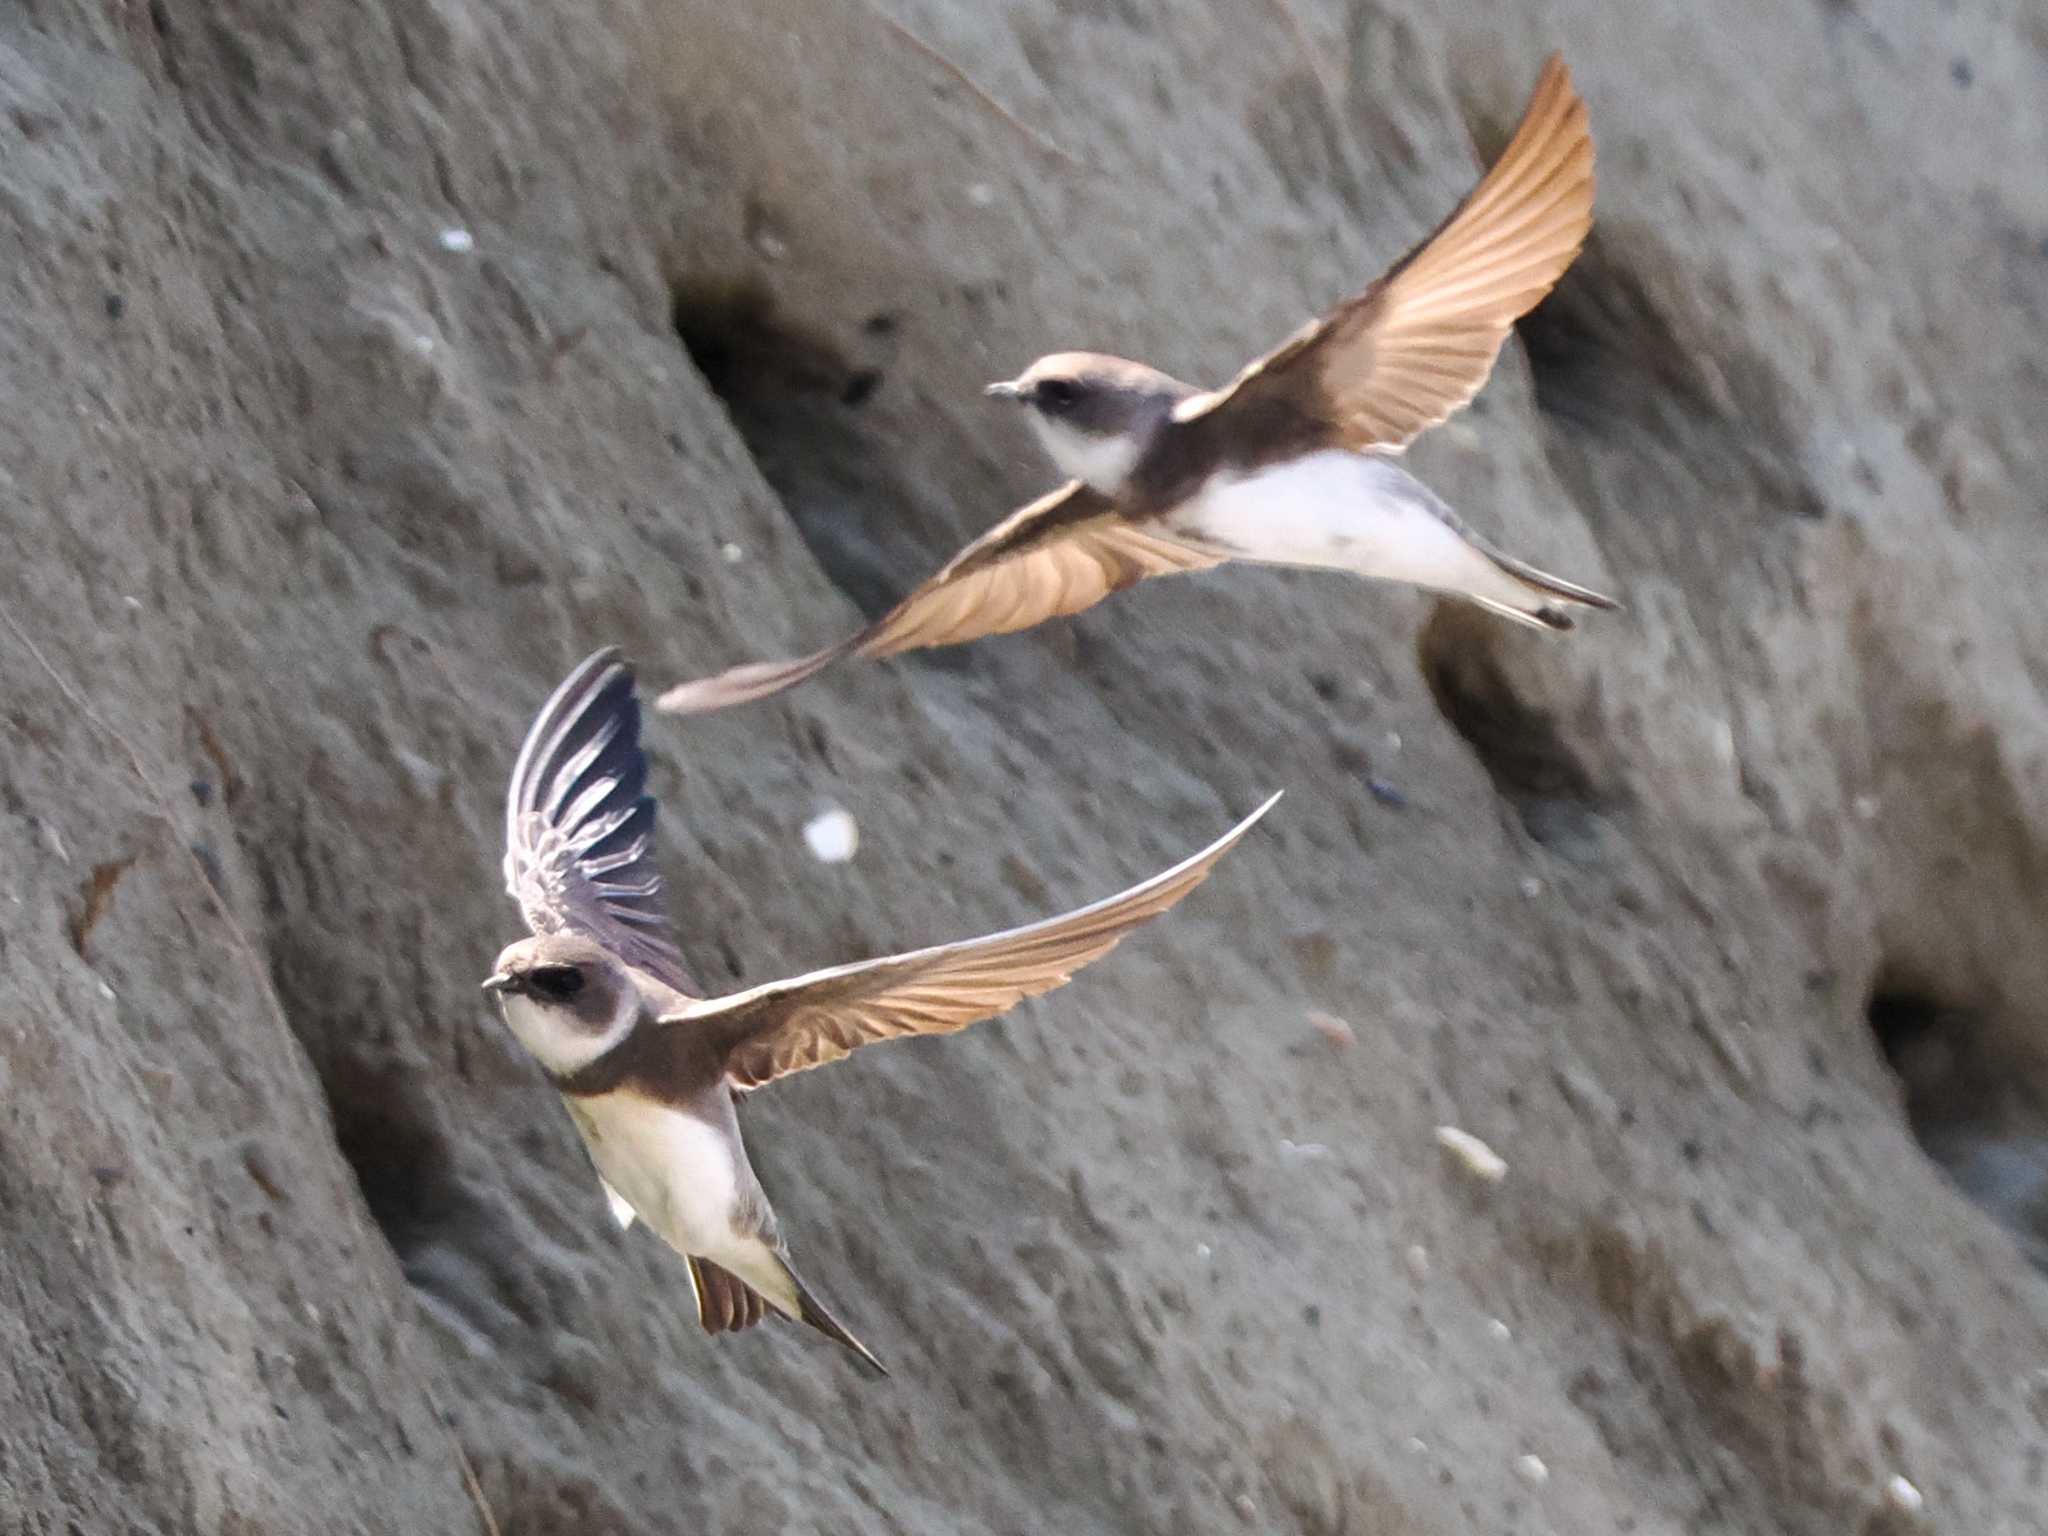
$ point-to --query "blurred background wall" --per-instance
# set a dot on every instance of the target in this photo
(363, 367)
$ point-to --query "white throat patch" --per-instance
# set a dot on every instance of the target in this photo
(554, 1037)
(1104, 462)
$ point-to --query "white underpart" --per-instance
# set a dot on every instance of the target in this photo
(1348, 512)
(621, 1207)
(555, 1038)
(1103, 462)
(678, 1173)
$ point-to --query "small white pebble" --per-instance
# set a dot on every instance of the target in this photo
(423, 344)
(1473, 1155)
(1903, 1496)
(1333, 1029)
(1417, 1260)
(132, 602)
(1202, 1252)
(731, 552)
(1245, 1507)
(106, 991)
(458, 241)
(833, 835)
(1393, 741)
(1498, 1331)
(1417, 1446)
(426, 773)
(1303, 1151)
(1530, 1469)
(1866, 807)
(981, 194)
(769, 245)
(1531, 887)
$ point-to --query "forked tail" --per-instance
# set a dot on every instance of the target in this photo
(728, 1304)
(1546, 592)
(813, 1311)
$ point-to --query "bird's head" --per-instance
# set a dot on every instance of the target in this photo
(1094, 414)
(567, 999)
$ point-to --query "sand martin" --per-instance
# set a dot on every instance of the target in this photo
(648, 1068)
(1292, 463)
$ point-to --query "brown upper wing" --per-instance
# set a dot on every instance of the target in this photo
(1418, 344)
(789, 1026)
(1063, 553)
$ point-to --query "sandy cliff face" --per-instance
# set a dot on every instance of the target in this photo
(306, 501)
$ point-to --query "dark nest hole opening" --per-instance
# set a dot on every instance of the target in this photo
(1612, 362)
(456, 1245)
(1601, 355)
(1518, 744)
(803, 409)
(1977, 1106)
(378, 1096)
(397, 1151)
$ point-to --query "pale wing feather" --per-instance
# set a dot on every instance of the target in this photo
(1059, 555)
(1417, 345)
(791, 1026)
(579, 823)
(1067, 574)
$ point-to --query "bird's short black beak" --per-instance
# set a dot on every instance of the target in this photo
(1007, 389)
(501, 981)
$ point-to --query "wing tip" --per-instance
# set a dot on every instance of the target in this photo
(570, 696)
(1555, 114)
(589, 678)
(592, 721)
(1265, 806)
(750, 681)
(1553, 83)
(1202, 861)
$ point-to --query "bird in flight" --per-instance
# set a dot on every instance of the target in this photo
(1292, 463)
(650, 1070)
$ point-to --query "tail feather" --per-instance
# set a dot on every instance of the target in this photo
(1552, 586)
(814, 1312)
(1544, 617)
(725, 1303)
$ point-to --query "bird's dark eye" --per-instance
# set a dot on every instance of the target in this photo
(1057, 394)
(556, 983)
